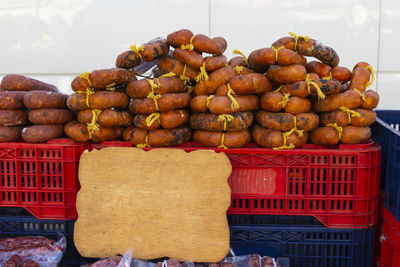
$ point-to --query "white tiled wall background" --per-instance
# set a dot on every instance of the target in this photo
(54, 40)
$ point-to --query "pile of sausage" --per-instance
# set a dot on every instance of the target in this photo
(24, 100)
(100, 101)
(273, 97)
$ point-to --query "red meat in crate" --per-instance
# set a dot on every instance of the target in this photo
(42, 177)
(339, 186)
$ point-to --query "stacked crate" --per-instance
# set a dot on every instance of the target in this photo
(386, 131)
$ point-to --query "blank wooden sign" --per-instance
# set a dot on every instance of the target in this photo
(160, 203)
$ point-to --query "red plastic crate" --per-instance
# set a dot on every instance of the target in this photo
(42, 178)
(390, 241)
(339, 186)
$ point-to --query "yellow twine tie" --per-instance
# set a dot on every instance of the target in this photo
(190, 89)
(154, 84)
(350, 113)
(188, 46)
(169, 74)
(225, 118)
(279, 88)
(203, 74)
(368, 84)
(154, 97)
(88, 92)
(306, 38)
(284, 100)
(290, 146)
(209, 100)
(337, 128)
(152, 118)
(361, 94)
(222, 142)
(238, 52)
(309, 83)
(183, 77)
(328, 77)
(137, 50)
(238, 69)
(230, 94)
(276, 52)
(111, 87)
(294, 129)
(85, 76)
(93, 125)
(145, 144)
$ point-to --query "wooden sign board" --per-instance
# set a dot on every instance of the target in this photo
(160, 203)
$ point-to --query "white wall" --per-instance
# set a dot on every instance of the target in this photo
(54, 40)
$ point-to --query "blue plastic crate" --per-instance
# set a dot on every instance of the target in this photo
(309, 244)
(17, 222)
(386, 131)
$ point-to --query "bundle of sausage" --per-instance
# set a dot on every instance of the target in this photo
(101, 103)
(224, 112)
(13, 113)
(160, 107)
(345, 117)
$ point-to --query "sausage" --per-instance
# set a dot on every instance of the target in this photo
(13, 117)
(287, 74)
(216, 123)
(371, 100)
(154, 49)
(355, 135)
(128, 60)
(169, 64)
(167, 120)
(178, 38)
(275, 102)
(242, 70)
(254, 83)
(174, 118)
(50, 116)
(199, 103)
(349, 99)
(358, 117)
(362, 64)
(157, 138)
(191, 58)
(224, 105)
(10, 133)
(12, 99)
(215, 62)
(310, 48)
(41, 133)
(215, 79)
(260, 59)
(15, 82)
(165, 103)
(100, 79)
(99, 100)
(328, 87)
(341, 74)
(323, 70)
(285, 121)
(274, 139)
(214, 46)
(103, 133)
(345, 87)
(214, 139)
(43, 99)
(76, 131)
(108, 118)
(164, 85)
(359, 79)
(140, 122)
(238, 61)
(324, 136)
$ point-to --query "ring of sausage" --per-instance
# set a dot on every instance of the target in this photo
(15, 82)
(42, 99)
(218, 123)
(222, 139)
(50, 116)
(41, 133)
(277, 140)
